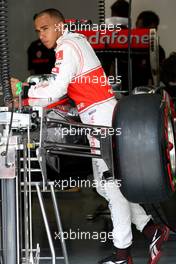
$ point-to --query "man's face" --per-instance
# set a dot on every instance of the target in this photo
(47, 29)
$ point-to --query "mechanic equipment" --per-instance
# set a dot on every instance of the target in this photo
(26, 138)
(15, 180)
(16, 177)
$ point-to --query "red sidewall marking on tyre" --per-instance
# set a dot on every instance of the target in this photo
(167, 149)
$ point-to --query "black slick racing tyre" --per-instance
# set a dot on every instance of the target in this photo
(144, 154)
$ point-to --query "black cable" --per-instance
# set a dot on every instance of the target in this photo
(4, 54)
(129, 49)
(0, 78)
(4, 67)
(101, 10)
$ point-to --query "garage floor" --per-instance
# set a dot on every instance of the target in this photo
(74, 208)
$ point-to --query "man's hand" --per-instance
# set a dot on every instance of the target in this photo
(14, 82)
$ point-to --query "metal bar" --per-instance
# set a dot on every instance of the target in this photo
(34, 183)
(77, 154)
(48, 258)
(32, 159)
(41, 155)
(17, 223)
(59, 224)
(41, 129)
(30, 194)
(72, 146)
(20, 202)
(45, 258)
(80, 125)
(46, 224)
(9, 231)
(31, 170)
(26, 209)
(20, 102)
(116, 68)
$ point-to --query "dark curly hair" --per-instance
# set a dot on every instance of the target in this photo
(51, 12)
(148, 19)
(120, 8)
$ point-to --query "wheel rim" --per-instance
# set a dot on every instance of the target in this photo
(171, 143)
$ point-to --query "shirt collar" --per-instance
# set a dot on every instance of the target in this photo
(65, 33)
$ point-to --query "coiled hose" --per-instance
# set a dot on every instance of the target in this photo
(101, 11)
(4, 54)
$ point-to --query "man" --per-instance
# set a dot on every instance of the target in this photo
(142, 74)
(119, 14)
(75, 60)
(149, 19)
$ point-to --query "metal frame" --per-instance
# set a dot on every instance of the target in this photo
(12, 186)
(104, 152)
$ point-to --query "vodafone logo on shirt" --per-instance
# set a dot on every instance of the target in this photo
(59, 55)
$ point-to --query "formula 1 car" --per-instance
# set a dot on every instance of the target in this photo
(140, 152)
(143, 155)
